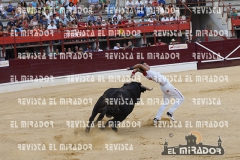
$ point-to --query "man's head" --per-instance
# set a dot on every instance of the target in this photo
(52, 23)
(159, 40)
(145, 64)
(44, 17)
(118, 44)
(76, 48)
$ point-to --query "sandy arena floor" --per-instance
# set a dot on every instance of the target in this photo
(147, 141)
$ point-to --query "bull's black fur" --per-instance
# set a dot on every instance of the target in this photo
(130, 91)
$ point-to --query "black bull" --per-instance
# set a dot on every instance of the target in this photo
(117, 102)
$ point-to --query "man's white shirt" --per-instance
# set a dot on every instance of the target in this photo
(146, 2)
(119, 17)
(116, 48)
(50, 4)
(129, 3)
(165, 20)
(138, 3)
(51, 27)
(173, 19)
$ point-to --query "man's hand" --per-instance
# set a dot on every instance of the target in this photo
(128, 68)
(132, 76)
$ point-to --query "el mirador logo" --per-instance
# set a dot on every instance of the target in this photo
(194, 146)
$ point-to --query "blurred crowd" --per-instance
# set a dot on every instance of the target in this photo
(69, 14)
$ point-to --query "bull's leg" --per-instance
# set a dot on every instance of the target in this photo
(107, 123)
(97, 107)
(100, 117)
(94, 113)
(116, 121)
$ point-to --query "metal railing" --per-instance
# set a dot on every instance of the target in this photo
(223, 8)
(65, 34)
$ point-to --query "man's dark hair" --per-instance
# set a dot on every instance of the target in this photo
(141, 68)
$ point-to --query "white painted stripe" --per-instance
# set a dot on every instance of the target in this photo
(209, 50)
(64, 80)
(233, 58)
(232, 52)
(215, 60)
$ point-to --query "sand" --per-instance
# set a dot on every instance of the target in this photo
(144, 142)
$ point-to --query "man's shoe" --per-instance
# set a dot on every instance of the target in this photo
(155, 121)
(170, 116)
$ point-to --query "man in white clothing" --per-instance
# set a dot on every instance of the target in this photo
(117, 47)
(52, 25)
(167, 88)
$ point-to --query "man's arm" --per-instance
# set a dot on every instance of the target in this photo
(133, 72)
(140, 66)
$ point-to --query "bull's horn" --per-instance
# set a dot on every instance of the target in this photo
(146, 88)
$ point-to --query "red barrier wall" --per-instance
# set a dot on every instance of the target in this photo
(100, 61)
(222, 47)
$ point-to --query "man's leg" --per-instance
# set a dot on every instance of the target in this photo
(99, 7)
(166, 99)
(179, 98)
(113, 8)
(109, 10)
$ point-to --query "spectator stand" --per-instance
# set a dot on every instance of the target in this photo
(61, 41)
(226, 9)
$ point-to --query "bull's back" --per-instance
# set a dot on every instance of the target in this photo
(108, 93)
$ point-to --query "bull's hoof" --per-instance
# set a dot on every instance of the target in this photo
(87, 130)
(115, 129)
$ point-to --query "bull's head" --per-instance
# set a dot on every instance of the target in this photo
(114, 109)
(143, 88)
